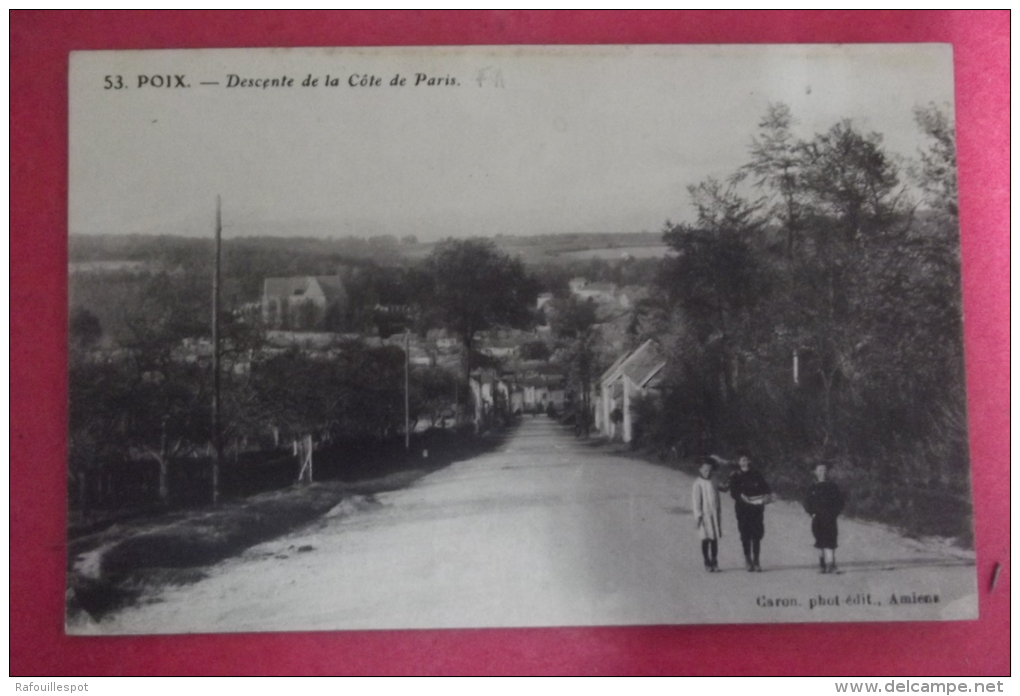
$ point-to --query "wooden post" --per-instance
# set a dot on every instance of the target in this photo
(304, 449)
(217, 445)
(407, 389)
(627, 431)
(164, 484)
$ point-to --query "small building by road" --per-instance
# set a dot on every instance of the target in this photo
(634, 373)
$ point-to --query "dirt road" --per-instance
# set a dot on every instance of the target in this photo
(549, 530)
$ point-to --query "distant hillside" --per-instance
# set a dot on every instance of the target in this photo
(570, 247)
(173, 250)
(582, 240)
(300, 255)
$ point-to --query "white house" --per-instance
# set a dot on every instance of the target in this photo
(632, 374)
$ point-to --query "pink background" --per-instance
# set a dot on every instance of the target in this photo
(40, 42)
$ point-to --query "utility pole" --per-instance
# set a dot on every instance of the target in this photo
(217, 445)
(407, 389)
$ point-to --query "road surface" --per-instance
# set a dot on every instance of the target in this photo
(549, 530)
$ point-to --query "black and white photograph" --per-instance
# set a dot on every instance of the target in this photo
(517, 336)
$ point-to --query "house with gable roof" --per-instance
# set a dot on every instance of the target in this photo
(303, 303)
(634, 373)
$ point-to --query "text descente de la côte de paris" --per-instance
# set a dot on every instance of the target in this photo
(354, 80)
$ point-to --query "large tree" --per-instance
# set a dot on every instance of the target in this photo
(714, 272)
(474, 287)
(776, 167)
(851, 180)
(714, 284)
(936, 174)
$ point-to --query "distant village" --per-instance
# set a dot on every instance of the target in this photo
(521, 370)
(296, 310)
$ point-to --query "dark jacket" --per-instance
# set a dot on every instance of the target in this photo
(825, 500)
(748, 483)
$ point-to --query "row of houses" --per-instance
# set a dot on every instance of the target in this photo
(526, 387)
(532, 386)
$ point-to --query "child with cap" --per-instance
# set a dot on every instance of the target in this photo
(824, 502)
(707, 513)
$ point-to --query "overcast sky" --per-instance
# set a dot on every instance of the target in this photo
(582, 139)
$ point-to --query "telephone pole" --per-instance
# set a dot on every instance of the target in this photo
(217, 445)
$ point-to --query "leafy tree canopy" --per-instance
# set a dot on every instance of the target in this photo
(474, 286)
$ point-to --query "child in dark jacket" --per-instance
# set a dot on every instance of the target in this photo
(824, 502)
(750, 494)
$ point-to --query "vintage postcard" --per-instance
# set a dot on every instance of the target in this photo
(392, 338)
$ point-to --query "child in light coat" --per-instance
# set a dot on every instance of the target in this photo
(707, 513)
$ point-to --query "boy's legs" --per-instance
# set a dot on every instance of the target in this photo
(819, 535)
(713, 552)
(831, 553)
(757, 532)
(825, 532)
(745, 524)
(745, 542)
(827, 560)
(705, 552)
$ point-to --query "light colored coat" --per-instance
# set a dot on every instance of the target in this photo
(705, 505)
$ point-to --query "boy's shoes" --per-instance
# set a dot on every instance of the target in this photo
(757, 567)
(708, 566)
(714, 568)
(834, 570)
(749, 564)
